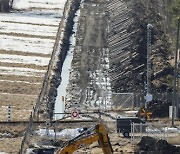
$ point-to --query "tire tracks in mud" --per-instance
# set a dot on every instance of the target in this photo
(88, 54)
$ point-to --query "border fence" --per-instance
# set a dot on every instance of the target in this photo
(34, 115)
(47, 76)
(155, 130)
(132, 100)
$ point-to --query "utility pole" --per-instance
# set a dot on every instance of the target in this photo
(149, 51)
(174, 101)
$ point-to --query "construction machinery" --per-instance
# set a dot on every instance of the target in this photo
(93, 134)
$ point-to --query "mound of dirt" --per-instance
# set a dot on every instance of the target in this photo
(159, 108)
(128, 68)
(149, 145)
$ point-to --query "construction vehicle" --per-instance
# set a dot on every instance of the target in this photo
(97, 133)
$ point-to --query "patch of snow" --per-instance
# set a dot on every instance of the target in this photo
(20, 82)
(26, 18)
(64, 134)
(37, 30)
(29, 151)
(26, 95)
(33, 45)
(5, 135)
(41, 61)
(131, 112)
(171, 130)
(163, 129)
(21, 71)
(24, 4)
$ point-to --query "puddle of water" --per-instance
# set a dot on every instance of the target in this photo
(59, 103)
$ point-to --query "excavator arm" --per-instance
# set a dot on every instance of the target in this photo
(100, 135)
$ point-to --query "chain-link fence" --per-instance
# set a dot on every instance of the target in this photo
(132, 100)
(122, 100)
(159, 131)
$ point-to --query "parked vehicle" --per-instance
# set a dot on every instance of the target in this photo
(124, 124)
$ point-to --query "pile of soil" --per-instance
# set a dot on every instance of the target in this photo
(128, 53)
(131, 77)
(149, 145)
(159, 108)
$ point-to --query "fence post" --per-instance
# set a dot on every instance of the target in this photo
(131, 134)
(9, 113)
(133, 100)
(141, 129)
(28, 130)
(165, 133)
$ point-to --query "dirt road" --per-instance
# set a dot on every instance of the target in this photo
(90, 45)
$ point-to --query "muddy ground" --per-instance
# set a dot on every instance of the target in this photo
(150, 145)
(102, 25)
(90, 44)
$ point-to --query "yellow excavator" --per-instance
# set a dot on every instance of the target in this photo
(96, 133)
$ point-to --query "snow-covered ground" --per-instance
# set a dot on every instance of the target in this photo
(9, 27)
(163, 129)
(24, 44)
(26, 17)
(20, 71)
(64, 134)
(41, 61)
(30, 28)
(27, 35)
(45, 4)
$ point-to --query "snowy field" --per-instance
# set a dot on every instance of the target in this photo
(21, 71)
(7, 58)
(9, 27)
(30, 28)
(27, 35)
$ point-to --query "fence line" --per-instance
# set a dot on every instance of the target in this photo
(132, 100)
(159, 131)
(47, 76)
(26, 135)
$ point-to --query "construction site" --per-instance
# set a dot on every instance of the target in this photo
(89, 76)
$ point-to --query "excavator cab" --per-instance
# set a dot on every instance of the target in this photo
(97, 133)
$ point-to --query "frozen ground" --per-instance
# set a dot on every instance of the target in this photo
(26, 44)
(31, 28)
(9, 27)
(27, 37)
(21, 71)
